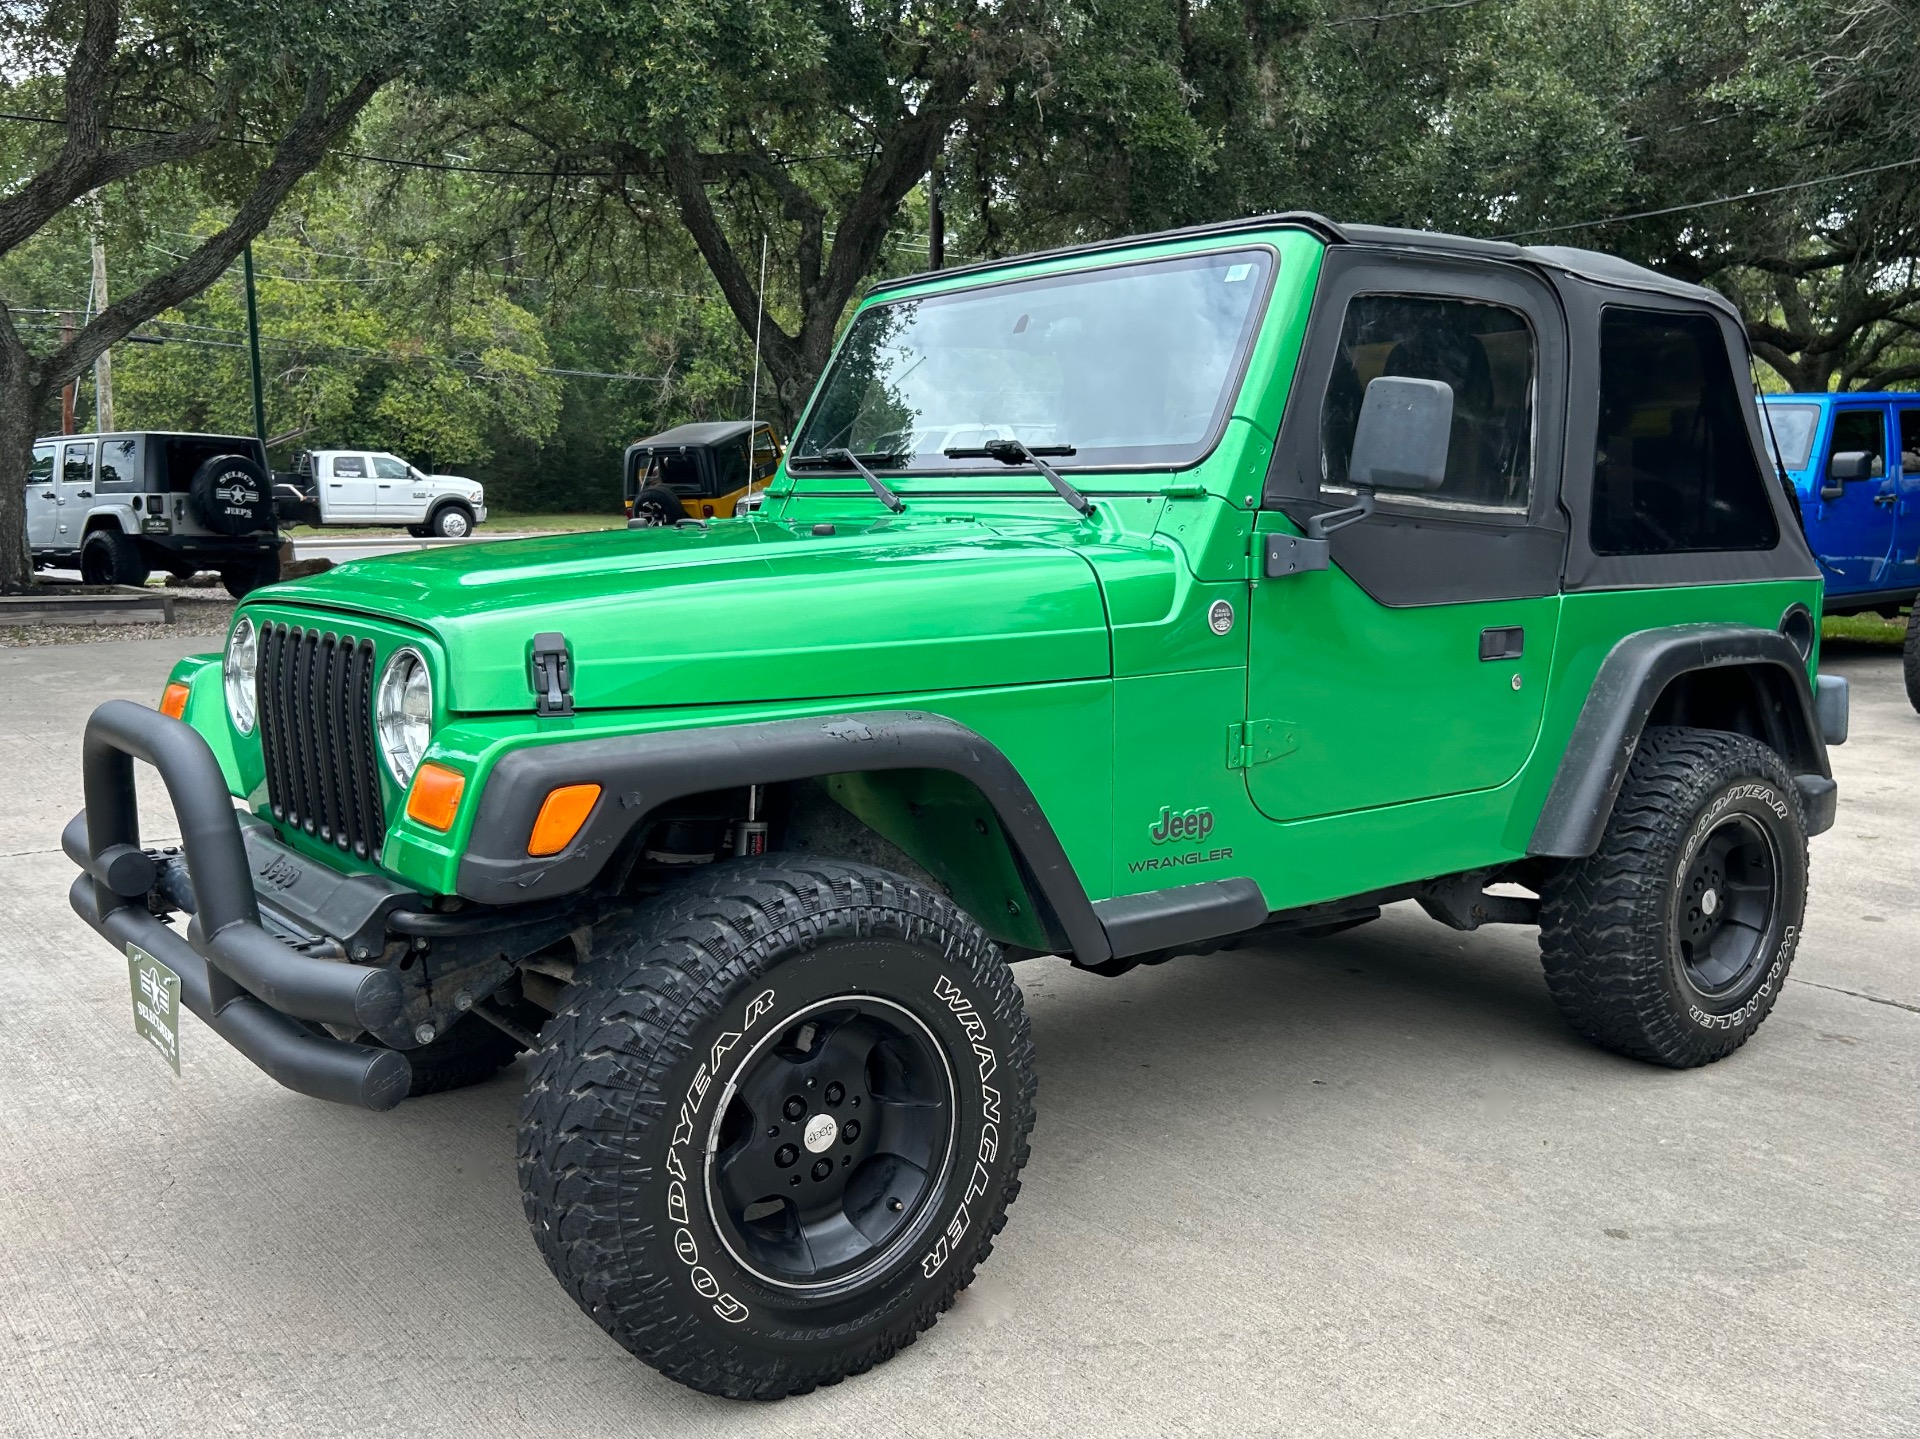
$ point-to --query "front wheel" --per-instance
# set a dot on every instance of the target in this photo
(1671, 942)
(776, 1124)
(451, 522)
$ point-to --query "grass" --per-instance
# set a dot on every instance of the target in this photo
(498, 522)
(1867, 629)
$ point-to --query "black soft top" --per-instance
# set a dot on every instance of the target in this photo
(1591, 265)
(697, 436)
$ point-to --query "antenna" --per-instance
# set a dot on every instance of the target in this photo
(753, 408)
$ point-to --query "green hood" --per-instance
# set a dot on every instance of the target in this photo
(737, 612)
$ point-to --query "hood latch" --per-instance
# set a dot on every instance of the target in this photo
(552, 675)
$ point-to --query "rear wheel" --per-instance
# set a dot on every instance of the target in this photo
(776, 1124)
(243, 577)
(1910, 657)
(112, 558)
(1671, 942)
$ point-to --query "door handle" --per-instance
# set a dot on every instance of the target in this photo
(1503, 642)
(86, 494)
(49, 495)
(1877, 499)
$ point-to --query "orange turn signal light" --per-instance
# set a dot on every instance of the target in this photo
(561, 816)
(173, 700)
(435, 797)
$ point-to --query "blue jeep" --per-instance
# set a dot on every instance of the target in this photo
(1854, 462)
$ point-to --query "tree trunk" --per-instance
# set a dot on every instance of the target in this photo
(21, 399)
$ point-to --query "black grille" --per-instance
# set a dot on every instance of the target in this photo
(316, 734)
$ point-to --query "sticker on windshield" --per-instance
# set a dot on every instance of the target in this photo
(1238, 272)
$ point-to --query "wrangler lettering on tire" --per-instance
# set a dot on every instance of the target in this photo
(775, 1126)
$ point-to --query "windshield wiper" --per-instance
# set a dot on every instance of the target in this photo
(1013, 452)
(853, 461)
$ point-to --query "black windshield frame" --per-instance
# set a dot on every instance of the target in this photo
(1264, 257)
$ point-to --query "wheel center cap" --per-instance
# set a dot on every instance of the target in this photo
(819, 1133)
(1709, 902)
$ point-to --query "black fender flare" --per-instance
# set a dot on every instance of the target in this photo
(1630, 682)
(640, 772)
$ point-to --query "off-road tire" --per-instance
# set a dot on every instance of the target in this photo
(242, 577)
(637, 1069)
(470, 1051)
(451, 521)
(1910, 657)
(1610, 924)
(111, 558)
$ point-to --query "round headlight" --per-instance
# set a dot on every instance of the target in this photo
(240, 668)
(403, 713)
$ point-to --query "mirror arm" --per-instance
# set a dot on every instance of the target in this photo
(1322, 525)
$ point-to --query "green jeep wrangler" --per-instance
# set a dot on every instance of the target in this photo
(1117, 603)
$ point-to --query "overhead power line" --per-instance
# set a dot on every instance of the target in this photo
(449, 167)
(1709, 204)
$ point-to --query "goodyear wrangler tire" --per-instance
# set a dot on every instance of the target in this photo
(1672, 941)
(776, 1124)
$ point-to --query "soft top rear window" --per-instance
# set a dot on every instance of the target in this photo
(186, 453)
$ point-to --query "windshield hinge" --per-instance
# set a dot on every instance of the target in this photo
(1258, 741)
(552, 675)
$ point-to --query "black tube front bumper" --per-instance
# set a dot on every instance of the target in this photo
(249, 986)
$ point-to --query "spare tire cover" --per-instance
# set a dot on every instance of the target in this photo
(229, 494)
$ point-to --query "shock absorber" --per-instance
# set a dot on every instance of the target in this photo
(750, 834)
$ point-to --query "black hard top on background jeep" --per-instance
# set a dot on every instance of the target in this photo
(119, 506)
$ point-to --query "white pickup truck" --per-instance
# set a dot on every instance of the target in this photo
(372, 487)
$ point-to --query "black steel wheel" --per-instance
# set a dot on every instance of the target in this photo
(777, 1121)
(834, 1134)
(1671, 942)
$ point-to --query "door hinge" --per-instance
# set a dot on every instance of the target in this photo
(1258, 741)
(552, 675)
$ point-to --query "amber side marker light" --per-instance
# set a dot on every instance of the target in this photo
(435, 796)
(173, 700)
(565, 810)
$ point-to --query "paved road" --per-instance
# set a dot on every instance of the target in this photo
(1363, 1186)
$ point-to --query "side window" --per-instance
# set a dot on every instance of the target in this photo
(1910, 441)
(386, 467)
(1863, 432)
(766, 453)
(349, 467)
(1485, 355)
(41, 472)
(1674, 467)
(119, 464)
(76, 464)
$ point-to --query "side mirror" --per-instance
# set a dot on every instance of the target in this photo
(1405, 431)
(1855, 465)
(1400, 443)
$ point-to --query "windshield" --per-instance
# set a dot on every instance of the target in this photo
(1793, 427)
(1130, 365)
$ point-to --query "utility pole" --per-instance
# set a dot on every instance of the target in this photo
(253, 349)
(102, 367)
(67, 390)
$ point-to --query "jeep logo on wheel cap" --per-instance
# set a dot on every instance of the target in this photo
(235, 492)
(819, 1133)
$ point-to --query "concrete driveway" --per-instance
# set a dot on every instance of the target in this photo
(1363, 1186)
